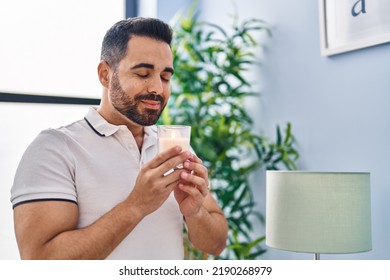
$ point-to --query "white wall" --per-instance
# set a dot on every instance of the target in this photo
(47, 47)
(51, 47)
(338, 106)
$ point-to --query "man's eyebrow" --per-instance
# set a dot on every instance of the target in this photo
(169, 69)
(151, 66)
(143, 65)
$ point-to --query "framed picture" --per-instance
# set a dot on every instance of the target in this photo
(347, 25)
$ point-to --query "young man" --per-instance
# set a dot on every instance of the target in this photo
(96, 189)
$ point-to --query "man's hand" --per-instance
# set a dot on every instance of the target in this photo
(192, 189)
(152, 187)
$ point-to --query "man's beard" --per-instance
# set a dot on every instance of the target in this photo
(129, 106)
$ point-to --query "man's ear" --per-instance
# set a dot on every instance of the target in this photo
(104, 73)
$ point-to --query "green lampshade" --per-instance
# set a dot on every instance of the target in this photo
(318, 212)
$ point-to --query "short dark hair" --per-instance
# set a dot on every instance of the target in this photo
(115, 41)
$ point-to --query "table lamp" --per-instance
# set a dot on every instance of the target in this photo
(318, 212)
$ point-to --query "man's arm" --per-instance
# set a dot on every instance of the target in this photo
(207, 229)
(47, 229)
(206, 223)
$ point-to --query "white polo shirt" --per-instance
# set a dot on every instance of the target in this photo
(95, 164)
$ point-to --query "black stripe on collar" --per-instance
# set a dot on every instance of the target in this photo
(90, 125)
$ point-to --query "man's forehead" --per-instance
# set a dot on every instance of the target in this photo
(143, 42)
(145, 57)
(145, 50)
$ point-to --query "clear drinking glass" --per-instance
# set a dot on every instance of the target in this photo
(173, 135)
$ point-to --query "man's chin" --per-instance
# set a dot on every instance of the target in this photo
(150, 117)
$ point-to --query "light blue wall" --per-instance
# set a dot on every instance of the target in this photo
(167, 9)
(339, 106)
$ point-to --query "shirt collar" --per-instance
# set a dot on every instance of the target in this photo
(103, 128)
(99, 124)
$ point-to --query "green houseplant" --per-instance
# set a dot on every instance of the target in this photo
(208, 91)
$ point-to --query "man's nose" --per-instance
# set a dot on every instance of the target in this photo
(155, 85)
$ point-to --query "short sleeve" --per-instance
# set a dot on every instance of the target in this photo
(46, 171)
